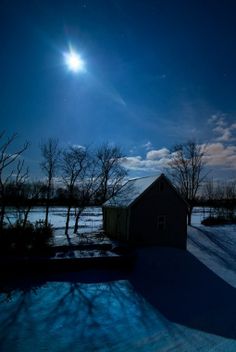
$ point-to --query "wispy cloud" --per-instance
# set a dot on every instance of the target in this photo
(78, 146)
(224, 131)
(148, 145)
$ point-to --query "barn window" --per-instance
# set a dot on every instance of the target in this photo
(161, 222)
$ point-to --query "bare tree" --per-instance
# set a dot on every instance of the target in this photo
(18, 185)
(219, 191)
(86, 187)
(50, 154)
(208, 191)
(7, 161)
(73, 165)
(31, 193)
(228, 196)
(230, 190)
(110, 171)
(186, 170)
(208, 194)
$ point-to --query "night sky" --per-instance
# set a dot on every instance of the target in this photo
(157, 73)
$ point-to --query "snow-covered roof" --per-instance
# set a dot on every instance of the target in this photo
(131, 191)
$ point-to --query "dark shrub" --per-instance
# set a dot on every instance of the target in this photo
(26, 238)
(42, 237)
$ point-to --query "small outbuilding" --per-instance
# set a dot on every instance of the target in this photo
(148, 211)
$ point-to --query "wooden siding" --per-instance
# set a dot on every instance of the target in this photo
(115, 223)
(139, 223)
(159, 201)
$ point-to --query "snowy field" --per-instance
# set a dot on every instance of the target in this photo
(91, 218)
(172, 300)
(90, 222)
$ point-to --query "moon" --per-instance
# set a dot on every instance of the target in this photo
(74, 62)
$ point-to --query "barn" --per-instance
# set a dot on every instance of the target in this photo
(147, 211)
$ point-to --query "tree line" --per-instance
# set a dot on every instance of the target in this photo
(75, 175)
(215, 192)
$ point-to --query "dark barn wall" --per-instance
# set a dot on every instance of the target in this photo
(115, 222)
(160, 200)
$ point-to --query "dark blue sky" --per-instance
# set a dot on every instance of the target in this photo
(157, 71)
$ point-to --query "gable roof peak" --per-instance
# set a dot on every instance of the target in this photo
(131, 190)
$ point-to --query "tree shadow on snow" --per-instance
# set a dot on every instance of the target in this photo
(174, 282)
(185, 291)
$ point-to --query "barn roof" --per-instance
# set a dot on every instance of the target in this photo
(131, 191)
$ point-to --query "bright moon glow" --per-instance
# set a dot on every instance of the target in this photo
(74, 62)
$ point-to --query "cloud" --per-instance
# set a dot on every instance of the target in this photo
(155, 160)
(218, 119)
(139, 163)
(225, 134)
(78, 146)
(217, 154)
(158, 154)
(147, 145)
(223, 130)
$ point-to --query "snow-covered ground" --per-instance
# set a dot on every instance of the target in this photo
(91, 218)
(214, 246)
(172, 300)
(90, 222)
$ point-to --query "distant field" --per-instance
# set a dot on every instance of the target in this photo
(91, 218)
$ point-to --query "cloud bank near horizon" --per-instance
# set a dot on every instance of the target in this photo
(219, 153)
